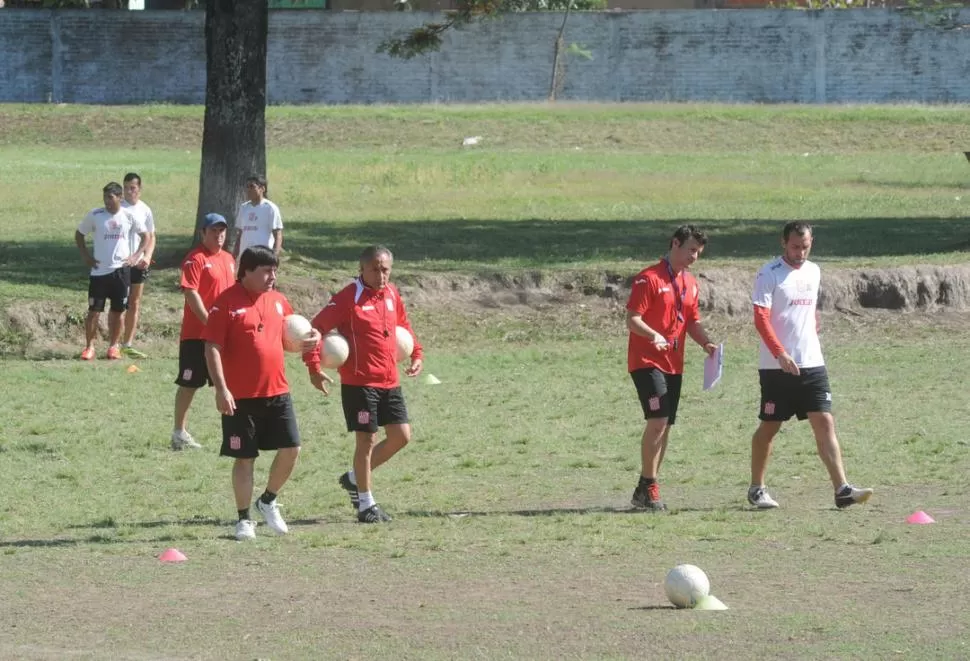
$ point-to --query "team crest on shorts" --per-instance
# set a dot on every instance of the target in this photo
(769, 408)
(363, 417)
(235, 443)
(186, 375)
(654, 403)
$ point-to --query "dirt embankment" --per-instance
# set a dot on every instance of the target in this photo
(725, 291)
(37, 329)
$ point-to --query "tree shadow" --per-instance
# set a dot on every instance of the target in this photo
(566, 242)
(531, 243)
(553, 511)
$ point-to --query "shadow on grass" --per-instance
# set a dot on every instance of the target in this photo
(554, 511)
(110, 523)
(531, 243)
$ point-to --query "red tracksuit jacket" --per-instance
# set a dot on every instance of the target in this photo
(368, 319)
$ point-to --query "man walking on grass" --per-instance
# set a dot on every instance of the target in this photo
(661, 312)
(791, 367)
(244, 352)
(112, 229)
(368, 312)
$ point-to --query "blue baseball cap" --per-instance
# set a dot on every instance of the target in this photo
(213, 219)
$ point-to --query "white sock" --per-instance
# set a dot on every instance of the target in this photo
(352, 476)
(366, 501)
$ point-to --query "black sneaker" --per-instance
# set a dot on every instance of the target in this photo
(351, 489)
(851, 495)
(648, 498)
(373, 514)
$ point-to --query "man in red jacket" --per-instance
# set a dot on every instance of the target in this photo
(367, 312)
(244, 353)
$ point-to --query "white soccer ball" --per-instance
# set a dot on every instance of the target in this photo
(296, 329)
(685, 585)
(405, 343)
(335, 350)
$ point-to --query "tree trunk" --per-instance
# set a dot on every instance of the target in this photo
(234, 133)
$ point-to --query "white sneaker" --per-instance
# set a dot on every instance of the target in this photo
(758, 496)
(245, 530)
(271, 513)
(182, 440)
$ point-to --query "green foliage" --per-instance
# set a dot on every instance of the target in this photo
(427, 38)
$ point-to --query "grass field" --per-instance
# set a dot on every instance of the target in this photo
(512, 537)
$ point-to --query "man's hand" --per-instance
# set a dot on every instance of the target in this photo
(311, 342)
(416, 366)
(788, 364)
(660, 342)
(91, 261)
(225, 402)
(320, 381)
(710, 348)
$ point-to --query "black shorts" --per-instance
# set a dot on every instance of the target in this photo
(261, 423)
(366, 408)
(659, 393)
(784, 395)
(139, 276)
(193, 371)
(110, 287)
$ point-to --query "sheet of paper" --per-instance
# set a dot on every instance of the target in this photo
(713, 366)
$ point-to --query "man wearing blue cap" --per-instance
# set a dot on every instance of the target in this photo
(207, 271)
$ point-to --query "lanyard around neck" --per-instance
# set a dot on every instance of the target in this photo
(680, 291)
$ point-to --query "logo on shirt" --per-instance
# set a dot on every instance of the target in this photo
(237, 313)
(390, 304)
(279, 308)
(664, 290)
(801, 301)
(640, 281)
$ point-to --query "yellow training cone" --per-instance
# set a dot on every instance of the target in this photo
(710, 603)
(133, 368)
(430, 379)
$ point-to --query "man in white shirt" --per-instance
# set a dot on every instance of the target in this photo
(258, 222)
(140, 271)
(791, 367)
(111, 228)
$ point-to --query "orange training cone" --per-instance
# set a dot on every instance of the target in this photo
(172, 555)
(920, 517)
(133, 368)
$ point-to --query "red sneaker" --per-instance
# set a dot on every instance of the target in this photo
(114, 353)
(87, 354)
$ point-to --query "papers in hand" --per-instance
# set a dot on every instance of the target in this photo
(713, 366)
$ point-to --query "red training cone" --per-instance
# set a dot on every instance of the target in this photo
(172, 555)
(920, 517)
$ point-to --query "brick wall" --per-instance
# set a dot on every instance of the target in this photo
(769, 56)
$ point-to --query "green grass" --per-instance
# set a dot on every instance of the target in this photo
(576, 187)
(510, 538)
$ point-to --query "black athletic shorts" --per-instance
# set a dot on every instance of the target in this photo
(659, 393)
(366, 408)
(139, 276)
(193, 371)
(110, 287)
(261, 423)
(784, 395)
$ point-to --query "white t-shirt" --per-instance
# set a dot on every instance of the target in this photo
(142, 212)
(792, 296)
(257, 224)
(112, 237)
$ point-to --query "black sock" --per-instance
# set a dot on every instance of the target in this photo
(243, 514)
(647, 481)
(267, 497)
